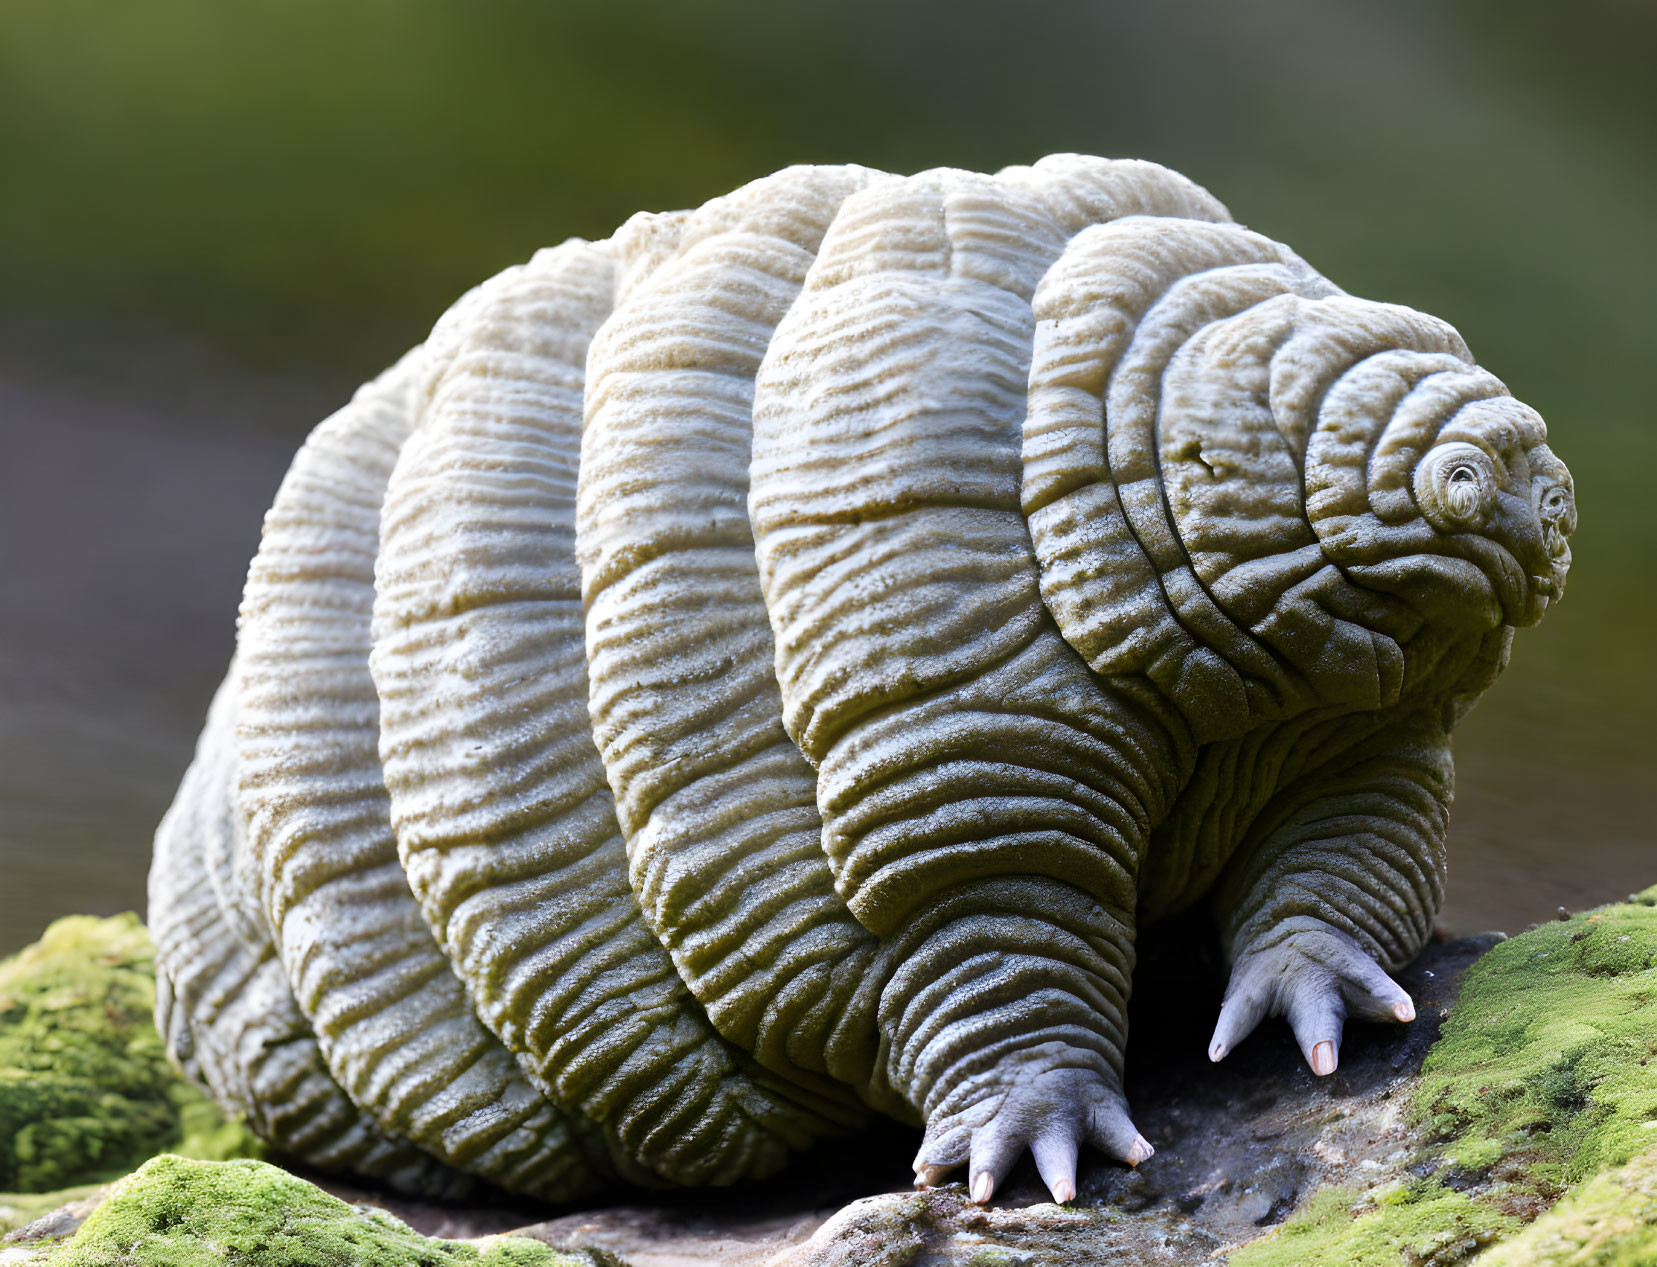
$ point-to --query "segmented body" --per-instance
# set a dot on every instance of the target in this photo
(765, 664)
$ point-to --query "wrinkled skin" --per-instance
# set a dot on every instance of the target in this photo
(767, 666)
(1521, 503)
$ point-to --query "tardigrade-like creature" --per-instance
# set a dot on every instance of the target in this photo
(766, 665)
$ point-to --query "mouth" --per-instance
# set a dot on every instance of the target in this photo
(1546, 589)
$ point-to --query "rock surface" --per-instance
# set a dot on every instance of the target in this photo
(1543, 1086)
(1240, 1146)
(1432, 1143)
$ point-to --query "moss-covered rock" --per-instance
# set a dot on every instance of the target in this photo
(175, 1212)
(1545, 1077)
(86, 1092)
(1415, 1224)
(1551, 1058)
(1608, 1221)
(1541, 1089)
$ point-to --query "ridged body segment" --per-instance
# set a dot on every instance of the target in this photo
(717, 803)
(505, 823)
(224, 1004)
(896, 562)
(392, 1019)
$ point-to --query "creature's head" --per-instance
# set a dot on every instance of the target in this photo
(1494, 488)
(1465, 514)
(1230, 465)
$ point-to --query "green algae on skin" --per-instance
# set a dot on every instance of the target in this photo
(175, 1212)
(86, 1092)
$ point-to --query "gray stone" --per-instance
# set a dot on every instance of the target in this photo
(1240, 1145)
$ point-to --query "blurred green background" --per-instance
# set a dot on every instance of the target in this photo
(216, 218)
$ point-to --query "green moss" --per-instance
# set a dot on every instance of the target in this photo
(86, 1092)
(1473, 1155)
(1417, 1225)
(1551, 1052)
(1545, 1076)
(1609, 1221)
(175, 1212)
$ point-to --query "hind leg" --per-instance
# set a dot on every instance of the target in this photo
(995, 848)
(1007, 1024)
(1341, 886)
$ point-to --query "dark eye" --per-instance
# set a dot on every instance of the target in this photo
(1464, 475)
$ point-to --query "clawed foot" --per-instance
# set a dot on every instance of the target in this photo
(1051, 1113)
(1316, 976)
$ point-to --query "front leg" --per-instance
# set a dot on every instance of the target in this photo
(1337, 884)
